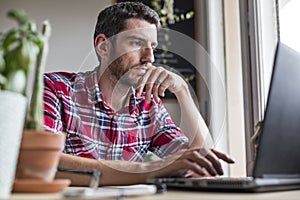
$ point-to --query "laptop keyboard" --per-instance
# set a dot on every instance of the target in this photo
(215, 182)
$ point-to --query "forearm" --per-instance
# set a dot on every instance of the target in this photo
(192, 122)
(113, 172)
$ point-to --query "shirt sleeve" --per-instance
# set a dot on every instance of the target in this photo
(168, 138)
(52, 107)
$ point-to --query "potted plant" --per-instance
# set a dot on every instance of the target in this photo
(23, 52)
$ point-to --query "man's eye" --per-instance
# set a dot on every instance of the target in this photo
(136, 43)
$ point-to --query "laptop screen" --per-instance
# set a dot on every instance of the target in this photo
(278, 151)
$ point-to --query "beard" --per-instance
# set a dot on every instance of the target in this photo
(124, 72)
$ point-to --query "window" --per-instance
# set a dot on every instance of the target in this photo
(221, 38)
(289, 16)
(259, 38)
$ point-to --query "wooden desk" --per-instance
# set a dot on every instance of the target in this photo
(182, 195)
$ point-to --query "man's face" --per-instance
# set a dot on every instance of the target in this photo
(132, 50)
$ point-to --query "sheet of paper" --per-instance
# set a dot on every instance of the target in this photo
(112, 191)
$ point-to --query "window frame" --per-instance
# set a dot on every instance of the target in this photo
(256, 38)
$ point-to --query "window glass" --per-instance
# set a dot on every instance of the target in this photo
(289, 16)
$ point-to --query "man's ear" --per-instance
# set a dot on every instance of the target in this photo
(102, 45)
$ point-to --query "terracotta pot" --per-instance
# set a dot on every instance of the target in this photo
(39, 155)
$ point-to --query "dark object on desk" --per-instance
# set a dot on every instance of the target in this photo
(95, 175)
(277, 165)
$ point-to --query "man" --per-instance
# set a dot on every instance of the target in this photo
(113, 116)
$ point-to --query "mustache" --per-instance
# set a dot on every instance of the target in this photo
(142, 65)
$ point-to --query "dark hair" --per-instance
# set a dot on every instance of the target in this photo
(112, 19)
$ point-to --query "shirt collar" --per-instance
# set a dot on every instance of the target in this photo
(95, 94)
(92, 86)
(133, 108)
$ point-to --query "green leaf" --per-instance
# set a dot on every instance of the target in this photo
(32, 26)
(11, 61)
(36, 39)
(16, 81)
(22, 57)
(19, 15)
(10, 40)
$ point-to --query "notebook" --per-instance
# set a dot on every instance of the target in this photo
(277, 163)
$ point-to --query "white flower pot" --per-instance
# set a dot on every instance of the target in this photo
(12, 115)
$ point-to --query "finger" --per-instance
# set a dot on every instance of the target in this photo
(153, 83)
(215, 162)
(193, 166)
(177, 165)
(148, 91)
(189, 174)
(163, 85)
(142, 83)
(168, 83)
(223, 156)
(183, 172)
(196, 175)
(158, 87)
(200, 160)
(161, 90)
(154, 92)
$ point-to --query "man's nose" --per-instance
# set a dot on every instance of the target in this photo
(147, 55)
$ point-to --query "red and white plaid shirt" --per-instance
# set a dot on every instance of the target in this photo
(73, 104)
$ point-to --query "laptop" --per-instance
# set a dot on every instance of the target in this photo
(277, 162)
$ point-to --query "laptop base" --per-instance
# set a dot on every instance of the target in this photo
(228, 184)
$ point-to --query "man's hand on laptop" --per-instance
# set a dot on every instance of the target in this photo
(214, 157)
(187, 162)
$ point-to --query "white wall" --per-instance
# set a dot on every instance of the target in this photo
(72, 21)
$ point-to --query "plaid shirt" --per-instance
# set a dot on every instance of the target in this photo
(74, 104)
